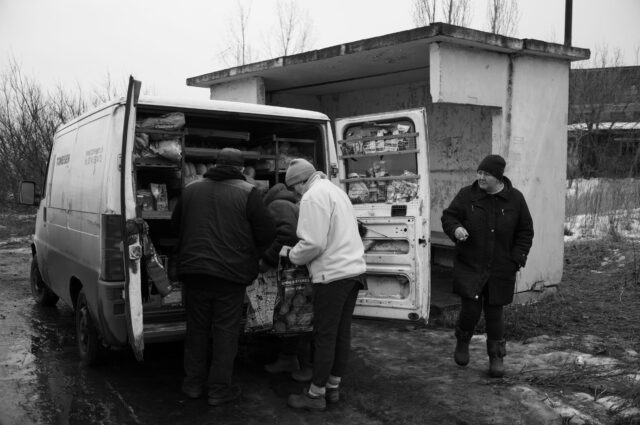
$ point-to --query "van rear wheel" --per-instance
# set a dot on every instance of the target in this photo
(90, 346)
(40, 291)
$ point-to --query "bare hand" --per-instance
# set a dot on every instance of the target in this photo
(284, 251)
(461, 234)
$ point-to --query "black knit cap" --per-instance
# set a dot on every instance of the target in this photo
(230, 156)
(494, 165)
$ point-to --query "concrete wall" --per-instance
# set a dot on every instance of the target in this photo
(532, 93)
(537, 160)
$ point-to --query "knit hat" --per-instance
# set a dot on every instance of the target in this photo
(299, 170)
(494, 165)
(230, 156)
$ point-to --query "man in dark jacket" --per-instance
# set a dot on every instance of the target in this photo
(223, 228)
(492, 228)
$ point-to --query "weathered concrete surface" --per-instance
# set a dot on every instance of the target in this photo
(399, 374)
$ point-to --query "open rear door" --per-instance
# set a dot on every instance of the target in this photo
(383, 166)
(132, 234)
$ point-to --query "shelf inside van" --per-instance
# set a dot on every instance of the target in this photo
(155, 161)
(156, 215)
(209, 153)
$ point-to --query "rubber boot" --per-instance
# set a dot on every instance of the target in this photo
(284, 363)
(496, 349)
(461, 354)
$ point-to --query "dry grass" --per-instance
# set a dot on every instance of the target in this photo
(17, 222)
(603, 206)
(599, 295)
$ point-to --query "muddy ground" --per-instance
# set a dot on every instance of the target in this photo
(399, 373)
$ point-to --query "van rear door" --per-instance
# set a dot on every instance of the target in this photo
(132, 233)
(383, 166)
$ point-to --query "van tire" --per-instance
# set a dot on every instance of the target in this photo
(39, 289)
(90, 347)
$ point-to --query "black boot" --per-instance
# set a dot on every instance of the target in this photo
(461, 355)
(496, 349)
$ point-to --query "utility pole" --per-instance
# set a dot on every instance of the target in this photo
(568, 18)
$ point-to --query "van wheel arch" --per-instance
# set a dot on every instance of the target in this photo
(90, 346)
(41, 293)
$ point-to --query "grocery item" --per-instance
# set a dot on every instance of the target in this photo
(170, 149)
(262, 295)
(358, 192)
(159, 192)
(171, 121)
(144, 200)
(294, 304)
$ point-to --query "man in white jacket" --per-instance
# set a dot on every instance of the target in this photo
(331, 247)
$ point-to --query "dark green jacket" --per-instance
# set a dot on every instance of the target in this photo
(500, 236)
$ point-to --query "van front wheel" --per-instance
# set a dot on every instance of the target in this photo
(89, 341)
(41, 293)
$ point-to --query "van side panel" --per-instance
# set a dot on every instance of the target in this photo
(57, 262)
(85, 174)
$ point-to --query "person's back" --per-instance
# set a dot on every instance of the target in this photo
(282, 205)
(340, 252)
(223, 227)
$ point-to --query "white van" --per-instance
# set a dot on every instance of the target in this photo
(115, 173)
(87, 246)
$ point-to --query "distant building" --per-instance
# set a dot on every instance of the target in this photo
(604, 122)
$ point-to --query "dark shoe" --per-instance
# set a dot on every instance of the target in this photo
(220, 397)
(496, 349)
(284, 363)
(332, 395)
(192, 392)
(302, 375)
(307, 401)
(461, 353)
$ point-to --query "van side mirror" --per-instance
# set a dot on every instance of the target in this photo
(28, 193)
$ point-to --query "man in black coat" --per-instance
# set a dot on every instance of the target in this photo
(223, 228)
(490, 223)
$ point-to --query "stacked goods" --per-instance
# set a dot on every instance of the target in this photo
(151, 142)
(375, 140)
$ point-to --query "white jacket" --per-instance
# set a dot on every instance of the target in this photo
(330, 244)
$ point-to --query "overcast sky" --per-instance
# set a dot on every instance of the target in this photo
(78, 42)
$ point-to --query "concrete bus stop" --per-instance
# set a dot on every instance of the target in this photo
(483, 93)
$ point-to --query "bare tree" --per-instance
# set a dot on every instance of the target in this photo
(454, 12)
(424, 12)
(294, 29)
(238, 51)
(503, 16)
(29, 118)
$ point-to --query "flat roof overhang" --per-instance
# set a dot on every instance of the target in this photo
(401, 57)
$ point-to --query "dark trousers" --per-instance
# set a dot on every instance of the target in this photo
(333, 305)
(218, 303)
(300, 346)
(493, 316)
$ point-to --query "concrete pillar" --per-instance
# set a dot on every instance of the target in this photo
(250, 90)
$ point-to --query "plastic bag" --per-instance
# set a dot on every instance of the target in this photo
(262, 295)
(169, 149)
(293, 312)
(358, 192)
(170, 122)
